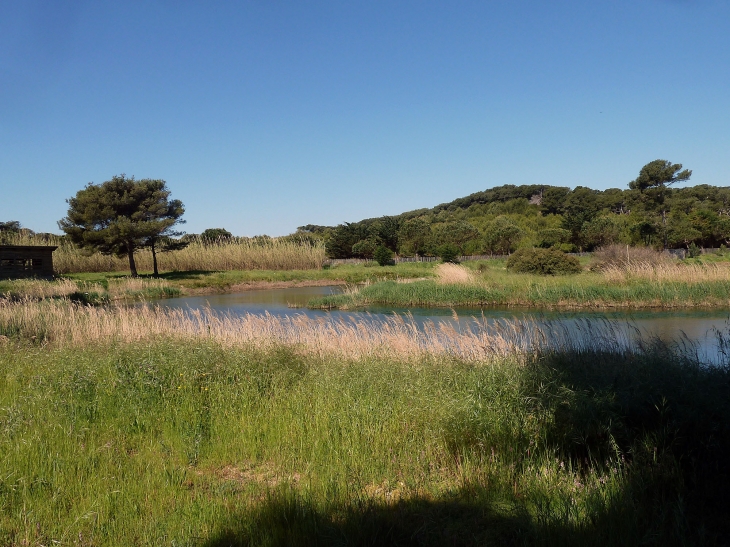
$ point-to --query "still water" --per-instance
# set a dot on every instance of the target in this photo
(698, 326)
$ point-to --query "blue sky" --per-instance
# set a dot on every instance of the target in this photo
(264, 116)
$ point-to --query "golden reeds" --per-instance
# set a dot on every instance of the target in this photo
(454, 274)
(226, 254)
(63, 323)
(40, 288)
(666, 272)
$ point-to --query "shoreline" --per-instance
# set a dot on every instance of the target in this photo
(260, 285)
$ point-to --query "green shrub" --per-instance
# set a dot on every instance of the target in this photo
(448, 253)
(693, 251)
(543, 262)
(384, 256)
(566, 247)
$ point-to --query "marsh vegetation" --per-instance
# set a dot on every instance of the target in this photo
(149, 426)
(631, 285)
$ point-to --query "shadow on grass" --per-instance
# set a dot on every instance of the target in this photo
(286, 519)
(659, 416)
(190, 274)
(471, 517)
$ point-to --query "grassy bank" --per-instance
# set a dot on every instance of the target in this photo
(136, 435)
(227, 281)
(641, 286)
(105, 287)
(97, 290)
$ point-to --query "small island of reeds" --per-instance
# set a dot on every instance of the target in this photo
(659, 282)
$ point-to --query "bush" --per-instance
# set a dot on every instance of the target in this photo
(384, 256)
(543, 262)
(448, 253)
(693, 251)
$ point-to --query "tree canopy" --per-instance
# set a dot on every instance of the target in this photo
(651, 211)
(122, 215)
(652, 181)
(659, 173)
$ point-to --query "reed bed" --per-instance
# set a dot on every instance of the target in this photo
(37, 289)
(222, 255)
(105, 290)
(674, 272)
(69, 324)
(454, 274)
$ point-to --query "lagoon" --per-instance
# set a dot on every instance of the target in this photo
(694, 330)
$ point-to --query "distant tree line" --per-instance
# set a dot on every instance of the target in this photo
(502, 219)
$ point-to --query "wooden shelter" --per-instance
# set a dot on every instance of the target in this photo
(26, 260)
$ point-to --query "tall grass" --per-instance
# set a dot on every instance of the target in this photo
(147, 437)
(454, 274)
(674, 272)
(529, 291)
(64, 323)
(100, 291)
(225, 254)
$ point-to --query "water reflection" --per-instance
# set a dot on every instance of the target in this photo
(698, 326)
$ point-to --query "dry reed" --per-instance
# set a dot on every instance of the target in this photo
(39, 289)
(622, 256)
(230, 254)
(64, 323)
(666, 272)
(454, 274)
(116, 289)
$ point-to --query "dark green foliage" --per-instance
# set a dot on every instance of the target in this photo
(93, 298)
(9, 229)
(693, 251)
(448, 252)
(457, 233)
(413, 236)
(385, 231)
(652, 184)
(10, 226)
(503, 218)
(659, 173)
(122, 215)
(502, 235)
(215, 234)
(552, 237)
(600, 232)
(343, 237)
(543, 262)
(365, 248)
(384, 256)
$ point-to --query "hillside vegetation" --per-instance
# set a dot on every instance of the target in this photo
(504, 218)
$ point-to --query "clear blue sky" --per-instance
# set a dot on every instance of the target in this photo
(264, 116)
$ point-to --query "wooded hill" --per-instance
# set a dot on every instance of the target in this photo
(501, 219)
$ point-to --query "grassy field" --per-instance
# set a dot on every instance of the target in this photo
(149, 427)
(676, 285)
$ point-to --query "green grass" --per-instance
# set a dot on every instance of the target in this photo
(497, 286)
(534, 294)
(186, 443)
(224, 280)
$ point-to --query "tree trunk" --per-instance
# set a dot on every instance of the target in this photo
(154, 261)
(132, 265)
